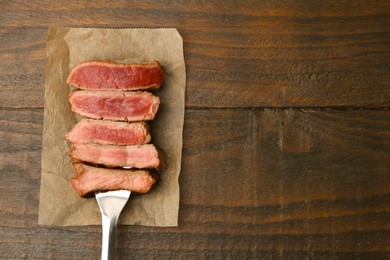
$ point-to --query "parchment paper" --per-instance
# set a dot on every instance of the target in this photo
(66, 47)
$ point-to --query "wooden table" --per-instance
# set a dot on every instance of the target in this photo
(286, 116)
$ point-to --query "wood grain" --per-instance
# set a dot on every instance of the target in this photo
(257, 54)
(254, 184)
(286, 141)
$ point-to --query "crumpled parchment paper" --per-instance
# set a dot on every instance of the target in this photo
(59, 203)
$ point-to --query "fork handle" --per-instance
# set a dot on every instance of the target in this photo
(109, 237)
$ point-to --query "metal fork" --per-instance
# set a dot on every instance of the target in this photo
(111, 204)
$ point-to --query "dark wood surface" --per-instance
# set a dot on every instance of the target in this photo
(287, 116)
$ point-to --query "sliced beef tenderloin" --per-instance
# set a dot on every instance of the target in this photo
(103, 75)
(109, 132)
(89, 179)
(143, 156)
(118, 106)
